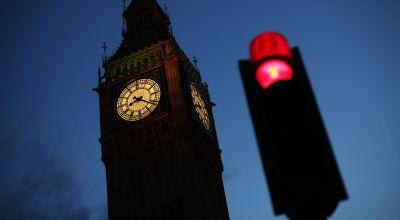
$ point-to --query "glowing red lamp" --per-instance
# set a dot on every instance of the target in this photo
(272, 71)
(271, 54)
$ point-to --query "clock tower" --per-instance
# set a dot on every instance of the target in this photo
(158, 139)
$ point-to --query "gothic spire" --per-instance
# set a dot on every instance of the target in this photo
(145, 23)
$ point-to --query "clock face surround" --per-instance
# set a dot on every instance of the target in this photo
(138, 99)
(200, 107)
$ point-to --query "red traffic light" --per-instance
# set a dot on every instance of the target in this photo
(270, 54)
(272, 71)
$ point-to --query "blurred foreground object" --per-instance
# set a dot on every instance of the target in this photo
(303, 178)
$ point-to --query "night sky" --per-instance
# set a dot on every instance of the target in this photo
(50, 51)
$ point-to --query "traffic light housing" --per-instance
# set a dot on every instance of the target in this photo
(303, 178)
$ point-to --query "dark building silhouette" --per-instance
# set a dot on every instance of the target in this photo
(158, 139)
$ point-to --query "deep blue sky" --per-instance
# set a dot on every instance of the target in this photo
(49, 54)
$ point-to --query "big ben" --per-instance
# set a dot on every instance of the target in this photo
(158, 139)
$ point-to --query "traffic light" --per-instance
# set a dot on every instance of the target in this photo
(270, 53)
(303, 178)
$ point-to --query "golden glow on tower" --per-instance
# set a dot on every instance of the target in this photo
(200, 107)
(138, 99)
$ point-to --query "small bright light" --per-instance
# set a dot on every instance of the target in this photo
(273, 71)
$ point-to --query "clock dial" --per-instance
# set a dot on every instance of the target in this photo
(200, 107)
(138, 99)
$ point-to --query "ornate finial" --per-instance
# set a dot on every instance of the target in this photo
(99, 76)
(123, 18)
(167, 13)
(195, 61)
(124, 5)
(104, 46)
(166, 10)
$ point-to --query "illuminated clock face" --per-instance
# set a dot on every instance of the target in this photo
(138, 99)
(200, 107)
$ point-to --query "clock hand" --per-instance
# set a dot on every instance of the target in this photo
(135, 99)
(150, 102)
(138, 99)
(145, 101)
